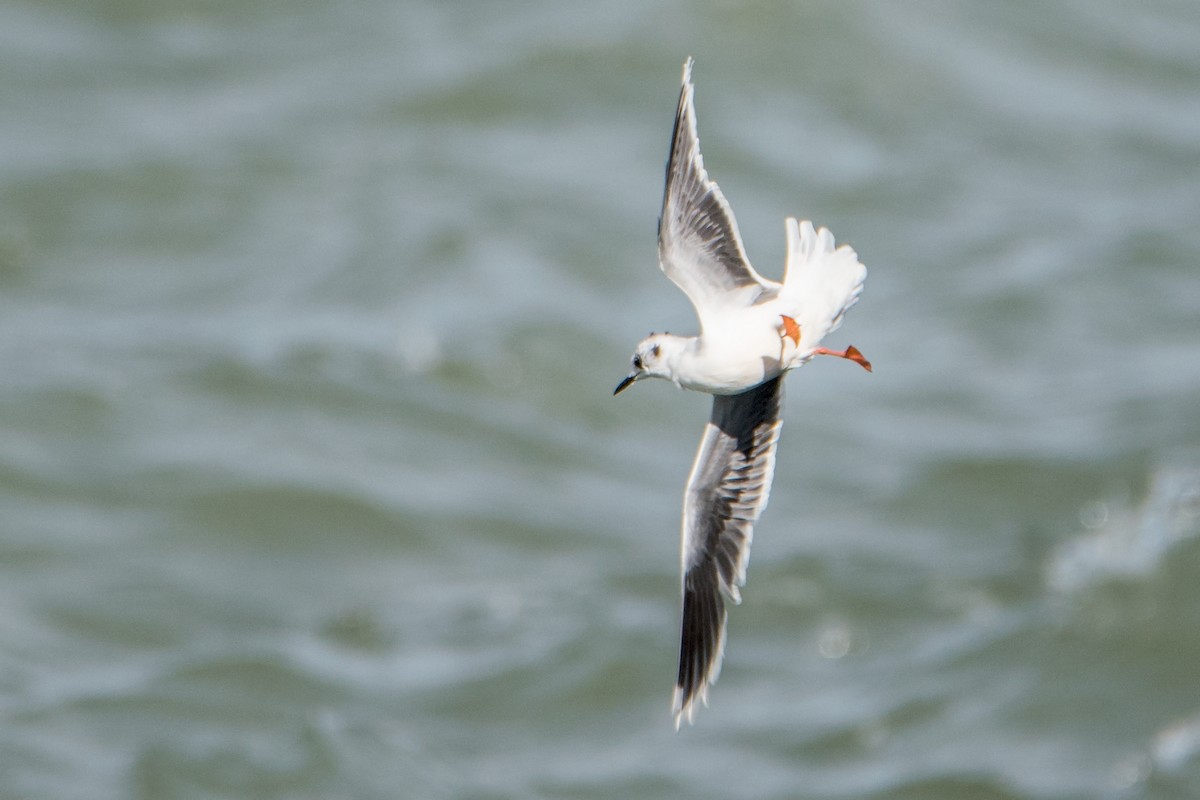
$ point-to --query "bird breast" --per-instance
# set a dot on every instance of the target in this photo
(741, 353)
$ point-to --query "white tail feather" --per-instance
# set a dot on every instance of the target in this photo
(821, 282)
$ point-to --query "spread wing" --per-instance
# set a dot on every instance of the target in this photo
(726, 492)
(699, 247)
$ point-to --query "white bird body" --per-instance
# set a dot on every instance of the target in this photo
(738, 353)
(752, 331)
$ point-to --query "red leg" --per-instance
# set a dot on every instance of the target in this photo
(851, 353)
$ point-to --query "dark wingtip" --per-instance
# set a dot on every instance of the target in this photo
(701, 641)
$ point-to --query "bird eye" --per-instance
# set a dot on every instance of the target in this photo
(637, 362)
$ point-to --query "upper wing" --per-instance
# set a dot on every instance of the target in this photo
(726, 492)
(699, 247)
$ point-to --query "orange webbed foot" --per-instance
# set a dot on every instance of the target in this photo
(857, 357)
(791, 329)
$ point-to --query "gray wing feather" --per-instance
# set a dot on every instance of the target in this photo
(699, 247)
(726, 493)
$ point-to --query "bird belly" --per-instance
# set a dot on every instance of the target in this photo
(741, 355)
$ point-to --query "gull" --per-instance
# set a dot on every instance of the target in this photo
(752, 331)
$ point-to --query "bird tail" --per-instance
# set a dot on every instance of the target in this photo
(821, 283)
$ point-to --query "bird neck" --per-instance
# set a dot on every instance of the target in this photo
(682, 356)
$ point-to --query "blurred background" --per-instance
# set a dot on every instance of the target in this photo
(311, 481)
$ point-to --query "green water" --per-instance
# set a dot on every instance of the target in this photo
(311, 481)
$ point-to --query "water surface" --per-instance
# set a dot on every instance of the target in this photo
(312, 481)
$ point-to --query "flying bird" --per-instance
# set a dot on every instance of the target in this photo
(752, 331)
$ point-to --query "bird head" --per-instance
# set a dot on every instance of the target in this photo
(651, 359)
